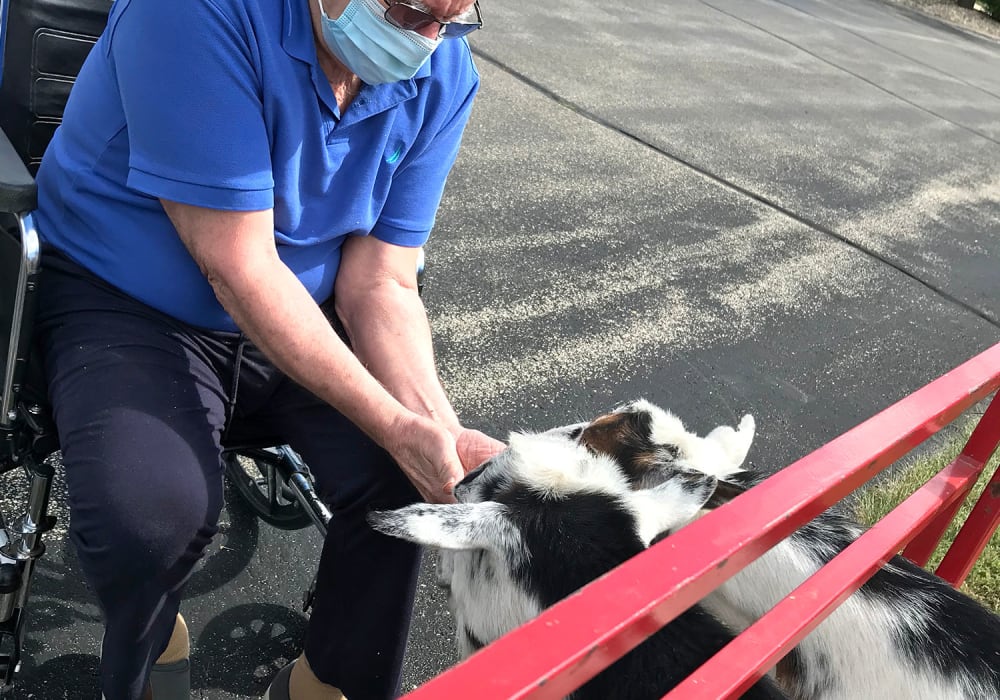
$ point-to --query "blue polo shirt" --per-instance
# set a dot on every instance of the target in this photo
(222, 104)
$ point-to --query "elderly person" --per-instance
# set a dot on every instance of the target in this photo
(232, 210)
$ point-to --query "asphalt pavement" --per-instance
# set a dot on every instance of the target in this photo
(788, 208)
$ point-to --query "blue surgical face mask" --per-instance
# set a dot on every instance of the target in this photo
(372, 48)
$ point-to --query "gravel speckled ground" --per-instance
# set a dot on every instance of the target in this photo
(970, 19)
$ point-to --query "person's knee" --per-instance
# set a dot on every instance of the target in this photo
(395, 491)
(154, 531)
(382, 486)
(355, 476)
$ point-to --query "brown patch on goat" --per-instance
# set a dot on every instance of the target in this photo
(605, 434)
(623, 436)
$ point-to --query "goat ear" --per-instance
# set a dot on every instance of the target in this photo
(735, 444)
(448, 526)
(672, 504)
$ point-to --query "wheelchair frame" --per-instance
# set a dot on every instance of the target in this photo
(26, 435)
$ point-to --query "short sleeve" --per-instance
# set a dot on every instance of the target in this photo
(417, 187)
(188, 76)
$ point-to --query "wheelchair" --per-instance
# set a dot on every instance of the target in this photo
(43, 44)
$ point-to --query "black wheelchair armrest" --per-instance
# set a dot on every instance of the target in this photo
(18, 194)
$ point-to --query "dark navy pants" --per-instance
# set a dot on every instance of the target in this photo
(142, 404)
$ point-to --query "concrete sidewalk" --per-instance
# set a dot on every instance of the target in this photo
(785, 208)
(682, 179)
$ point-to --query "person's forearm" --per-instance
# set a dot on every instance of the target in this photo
(237, 254)
(289, 327)
(390, 334)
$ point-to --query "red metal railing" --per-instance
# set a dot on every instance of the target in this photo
(580, 636)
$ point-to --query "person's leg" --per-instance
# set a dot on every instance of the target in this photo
(366, 582)
(170, 677)
(139, 409)
(179, 645)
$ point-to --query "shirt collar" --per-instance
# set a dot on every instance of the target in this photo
(297, 34)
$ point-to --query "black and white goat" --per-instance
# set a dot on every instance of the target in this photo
(905, 635)
(541, 520)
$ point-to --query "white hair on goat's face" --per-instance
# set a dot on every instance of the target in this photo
(551, 462)
(720, 453)
(571, 431)
(556, 467)
(644, 438)
(553, 516)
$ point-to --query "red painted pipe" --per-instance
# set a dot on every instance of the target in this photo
(580, 636)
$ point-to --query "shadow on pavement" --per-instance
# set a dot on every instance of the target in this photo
(69, 677)
(237, 651)
(240, 650)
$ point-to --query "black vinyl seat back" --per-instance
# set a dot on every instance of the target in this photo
(44, 44)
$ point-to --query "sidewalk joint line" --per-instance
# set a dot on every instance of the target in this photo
(900, 54)
(851, 73)
(728, 184)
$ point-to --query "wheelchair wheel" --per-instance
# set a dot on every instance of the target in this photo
(259, 482)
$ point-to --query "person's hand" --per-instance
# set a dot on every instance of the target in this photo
(425, 451)
(475, 447)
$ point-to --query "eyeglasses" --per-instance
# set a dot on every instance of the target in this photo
(413, 18)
